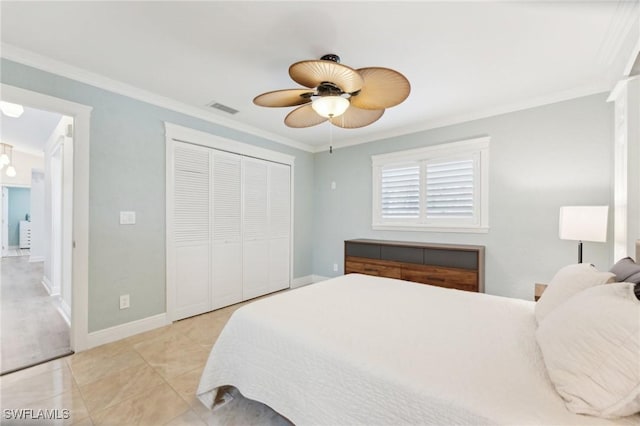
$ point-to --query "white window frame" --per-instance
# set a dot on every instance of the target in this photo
(476, 149)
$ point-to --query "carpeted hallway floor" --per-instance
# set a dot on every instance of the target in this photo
(32, 329)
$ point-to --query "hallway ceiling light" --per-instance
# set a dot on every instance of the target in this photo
(11, 110)
(6, 159)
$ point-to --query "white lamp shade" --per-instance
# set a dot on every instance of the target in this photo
(11, 171)
(584, 223)
(4, 159)
(330, 106)
(11, 110)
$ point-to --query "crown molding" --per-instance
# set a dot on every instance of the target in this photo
(30, 151)
(47, 64)
(475, 115)
(44, 63)
(625, 17)
(619, 87)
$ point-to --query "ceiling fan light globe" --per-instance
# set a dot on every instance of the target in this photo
(11, 171)
(330, 106)
(11, 110)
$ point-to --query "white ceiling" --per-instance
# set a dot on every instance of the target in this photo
(30, 131)
(463, 59)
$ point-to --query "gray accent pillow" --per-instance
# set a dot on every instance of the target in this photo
(626, 270)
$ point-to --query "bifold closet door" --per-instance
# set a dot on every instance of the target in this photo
(255, 174)
(279, 226)
(267, 227)
(227, 229)
(230, 229)
(191, 230)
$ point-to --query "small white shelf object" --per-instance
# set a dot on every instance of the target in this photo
(25, 234)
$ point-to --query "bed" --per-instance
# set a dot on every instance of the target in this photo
(412, 354)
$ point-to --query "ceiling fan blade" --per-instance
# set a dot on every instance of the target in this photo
(283, 98)
(303, 116)
(312, 73)
(356, 117)
(383, 88)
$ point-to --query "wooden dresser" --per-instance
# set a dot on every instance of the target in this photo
(445, 265)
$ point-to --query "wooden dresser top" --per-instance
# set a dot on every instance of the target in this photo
(467, 247)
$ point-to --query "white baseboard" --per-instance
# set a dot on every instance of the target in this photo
(128, 329)
(65, 311)
(306, 280)
(46, 284)
(318, 278)
(301, 281)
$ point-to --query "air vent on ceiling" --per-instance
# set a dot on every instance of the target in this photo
(222, 107)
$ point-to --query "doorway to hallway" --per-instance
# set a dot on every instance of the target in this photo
(35, 282)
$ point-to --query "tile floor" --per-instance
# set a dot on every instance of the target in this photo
(147, 379)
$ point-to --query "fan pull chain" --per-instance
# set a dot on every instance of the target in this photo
(330, 135)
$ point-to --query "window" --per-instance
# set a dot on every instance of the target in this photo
(440, 188)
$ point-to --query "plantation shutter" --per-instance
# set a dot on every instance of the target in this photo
(400, 191)
(450, 189)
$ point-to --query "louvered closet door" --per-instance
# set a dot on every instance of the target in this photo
(227, 229)
(255, 228)
(191, 236)
(279, 226)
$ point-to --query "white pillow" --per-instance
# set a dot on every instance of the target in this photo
(591, 347)
(568, 281)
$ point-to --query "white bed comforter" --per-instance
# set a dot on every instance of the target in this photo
(376, 351)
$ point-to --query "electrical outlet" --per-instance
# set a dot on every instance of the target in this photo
(333, 185)
(335, 267)
(124, 301)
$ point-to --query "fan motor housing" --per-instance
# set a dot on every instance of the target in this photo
(331, 57)
(326, 88)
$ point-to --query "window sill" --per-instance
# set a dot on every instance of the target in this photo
(461, 229)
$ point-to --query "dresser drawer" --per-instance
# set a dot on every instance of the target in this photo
(370, 268)
(442, 277)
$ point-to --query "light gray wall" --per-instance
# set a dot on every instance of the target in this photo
(127, 172)
(540, 159)
(37, 251)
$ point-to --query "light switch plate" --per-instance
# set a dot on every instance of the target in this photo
(127, 218)
(124, 301)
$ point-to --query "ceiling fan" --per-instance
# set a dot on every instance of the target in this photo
(347, 97)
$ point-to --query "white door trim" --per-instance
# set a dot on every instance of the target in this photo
(5, 221)
(78, 234)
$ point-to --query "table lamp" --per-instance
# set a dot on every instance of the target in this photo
(583, 223)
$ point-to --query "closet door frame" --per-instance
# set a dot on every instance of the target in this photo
(176, 133)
